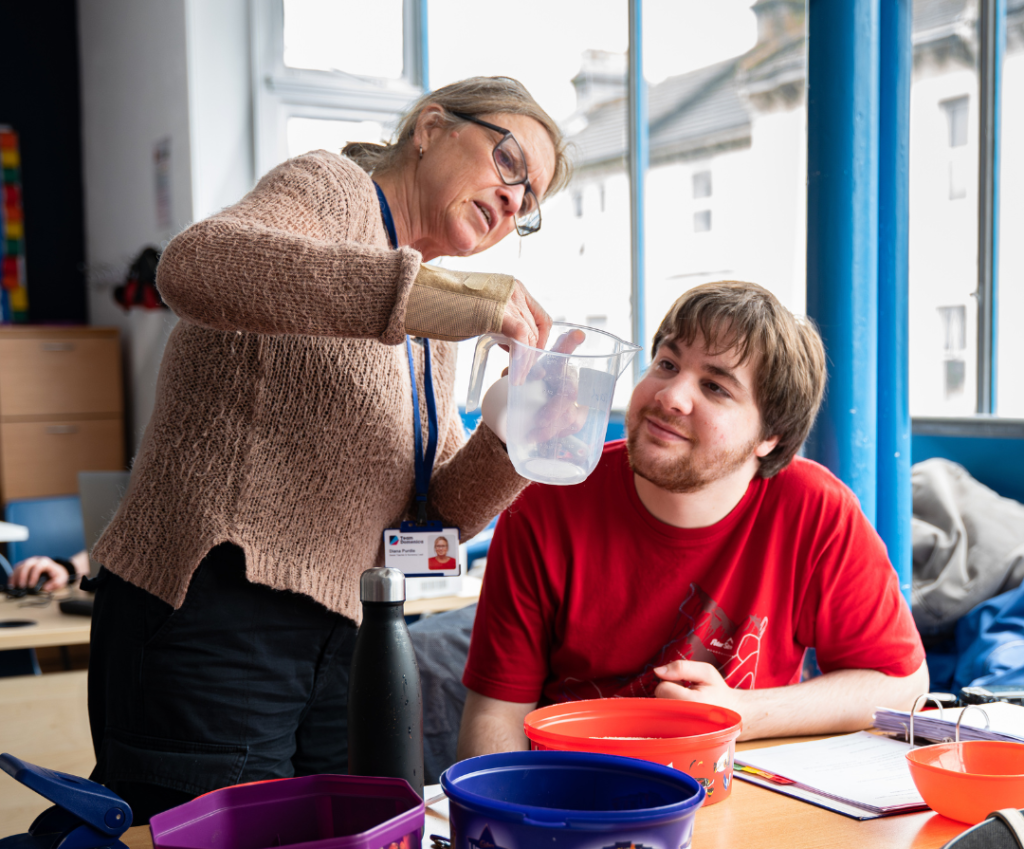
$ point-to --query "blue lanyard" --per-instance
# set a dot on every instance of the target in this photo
(385, 213)
(424, 459)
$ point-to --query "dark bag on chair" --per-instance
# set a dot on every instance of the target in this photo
(1002, 830)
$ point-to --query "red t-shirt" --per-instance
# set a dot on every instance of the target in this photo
(586, 592)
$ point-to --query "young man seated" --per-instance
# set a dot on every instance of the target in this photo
(701, 558)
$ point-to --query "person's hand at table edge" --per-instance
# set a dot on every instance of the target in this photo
(28, 572)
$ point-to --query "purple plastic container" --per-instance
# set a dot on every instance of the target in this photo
(318, 811)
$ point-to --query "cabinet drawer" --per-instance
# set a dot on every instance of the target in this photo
(44, 458)
(60, 376)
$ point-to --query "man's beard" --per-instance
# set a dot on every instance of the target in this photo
(689, 473)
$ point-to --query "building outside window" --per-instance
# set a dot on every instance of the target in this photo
(957, 113)
(702, 184)
(1009, 341)
(954, 332)
(726, 94)
(956, 118)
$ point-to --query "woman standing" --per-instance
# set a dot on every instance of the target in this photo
(282, 441)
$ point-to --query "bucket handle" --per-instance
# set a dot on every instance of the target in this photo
(476, 376)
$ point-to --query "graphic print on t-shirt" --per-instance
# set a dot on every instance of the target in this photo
(702, 632)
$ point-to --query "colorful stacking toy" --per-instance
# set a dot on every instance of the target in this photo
(13, 291)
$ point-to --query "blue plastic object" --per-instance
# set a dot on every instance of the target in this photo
(570, 800)
(842, 233)
(85, 815)
(54, 527)
(894, 511)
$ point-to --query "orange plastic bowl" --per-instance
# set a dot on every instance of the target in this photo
(967, 781)
(697, 739)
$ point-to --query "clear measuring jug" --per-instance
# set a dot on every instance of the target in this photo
(558, 399)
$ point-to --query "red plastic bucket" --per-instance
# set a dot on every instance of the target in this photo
(697, 739)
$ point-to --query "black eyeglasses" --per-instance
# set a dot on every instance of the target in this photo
(511, 165)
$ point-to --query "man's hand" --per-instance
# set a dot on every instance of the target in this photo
(693, 681)
(525, 320)
(843, 700)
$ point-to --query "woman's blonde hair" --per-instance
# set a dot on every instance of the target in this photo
(473, 96)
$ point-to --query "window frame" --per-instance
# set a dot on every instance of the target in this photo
(281, 92)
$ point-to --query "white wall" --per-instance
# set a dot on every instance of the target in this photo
(150, 70)
(943, 243)
(773, 251)
(220, 103)
(134, 93)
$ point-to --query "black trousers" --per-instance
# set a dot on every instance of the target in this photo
(241, 683)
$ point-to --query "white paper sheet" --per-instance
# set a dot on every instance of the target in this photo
(861, 768)
(1006, 723)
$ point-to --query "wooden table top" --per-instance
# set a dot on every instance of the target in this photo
(49, 626)
(756, 818)
(469, 594)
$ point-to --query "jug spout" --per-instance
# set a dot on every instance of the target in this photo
(625, 358)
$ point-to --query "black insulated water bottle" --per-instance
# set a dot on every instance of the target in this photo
(385, 704)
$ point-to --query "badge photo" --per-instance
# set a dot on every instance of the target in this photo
(430, 552)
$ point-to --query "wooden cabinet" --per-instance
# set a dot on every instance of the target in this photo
(61, 408)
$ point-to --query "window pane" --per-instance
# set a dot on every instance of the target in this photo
(305, 134)
(323, 35)
(1009, 338)
(578, 265)
(702, 184)
(943, 212)
(956, 116)
(727, 189)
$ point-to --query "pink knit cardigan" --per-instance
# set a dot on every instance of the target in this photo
(283, 419)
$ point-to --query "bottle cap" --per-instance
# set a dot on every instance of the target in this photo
(382, 584)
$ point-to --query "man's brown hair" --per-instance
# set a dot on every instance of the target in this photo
(789, 358)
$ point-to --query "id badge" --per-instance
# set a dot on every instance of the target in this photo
(423, 551)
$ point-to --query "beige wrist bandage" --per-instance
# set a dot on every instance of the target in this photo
(456, 305)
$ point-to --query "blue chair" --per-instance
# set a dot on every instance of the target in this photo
(55, 530)
(54, 527)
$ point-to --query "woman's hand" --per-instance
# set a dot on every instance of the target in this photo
(28, 572)
(525, 320)
(561, 416)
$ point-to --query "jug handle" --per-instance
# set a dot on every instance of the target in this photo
(476, 376)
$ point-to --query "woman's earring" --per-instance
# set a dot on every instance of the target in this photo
(421, 151)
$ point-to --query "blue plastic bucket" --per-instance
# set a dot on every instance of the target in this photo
(566, 800)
